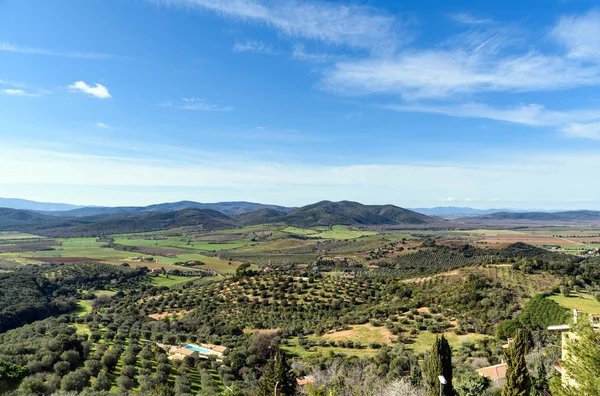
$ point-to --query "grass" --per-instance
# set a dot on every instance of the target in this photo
(84, 307)
(584, 301)
(7, 235)
(299, 231)
(294, 350)
(425, 339)
(162, 280)
(342, 232)
(364, 334)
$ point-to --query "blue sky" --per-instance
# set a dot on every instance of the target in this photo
(415, 103)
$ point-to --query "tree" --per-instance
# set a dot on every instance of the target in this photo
(10, 374)
(277, 373)
(75, 380)
(517, 382)
(539, 384)
(102, 383)
(439, 363)
(581, 364)
(124, 383)
(182, 385)
(93, 366)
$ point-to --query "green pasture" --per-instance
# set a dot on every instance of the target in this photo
(342, 232)
(425, 340)
(4, 235)
(584, 301)
(170, 280)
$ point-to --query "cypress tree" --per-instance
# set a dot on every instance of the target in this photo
(581, 364)
(517, 382)
(277, 373)
(540, 383)
(439, 363)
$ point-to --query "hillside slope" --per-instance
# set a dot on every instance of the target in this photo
(574, 216)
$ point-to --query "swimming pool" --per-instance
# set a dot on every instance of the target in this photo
(203, 351)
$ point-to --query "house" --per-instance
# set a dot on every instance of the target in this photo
(496, 373)
(179, 353)
(567, 335)
(309, 379)
(221, 350)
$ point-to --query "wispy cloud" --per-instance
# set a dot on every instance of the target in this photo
(586, 131)
(534, 173)
(350, 25)
(443, 73)
(254, 46)
(198, 104)
(8, 47)
(97, 91)
(468, 19)
(101, 125)
(580, 123)
(300, 53)
(20, 92)
(580, 35)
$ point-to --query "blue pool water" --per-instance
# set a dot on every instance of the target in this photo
(199, 349)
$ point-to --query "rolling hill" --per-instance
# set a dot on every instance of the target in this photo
(323, 213)
(25, 204)
(569, 216)
(327, 213)
(228, 208)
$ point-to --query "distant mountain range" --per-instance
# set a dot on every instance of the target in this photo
(16, 203)
(567, 216)
(159, 217)
(228, 208)
(459, 211)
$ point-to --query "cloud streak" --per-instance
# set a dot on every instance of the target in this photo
(198, 104)
(254, 46)
(333, 23)
(8, 47)
(20, 92)
(534, 174)
(98, 91)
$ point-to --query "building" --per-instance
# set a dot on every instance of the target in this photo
(567, 335)
(309, 379)
(496, 373)
(180, 353)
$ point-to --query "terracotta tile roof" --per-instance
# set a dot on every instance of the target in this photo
(496, 372)
(309, 379)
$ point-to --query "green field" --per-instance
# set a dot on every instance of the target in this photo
(425, 339)
(584, 301)
(342, 232)
(171, 280)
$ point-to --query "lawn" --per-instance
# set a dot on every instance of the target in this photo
(584, 301)
(294, 350)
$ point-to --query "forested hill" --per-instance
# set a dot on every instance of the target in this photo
(575, 216)
(228, 208)
(320, 214)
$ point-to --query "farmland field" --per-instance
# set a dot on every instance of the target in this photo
(584, 301)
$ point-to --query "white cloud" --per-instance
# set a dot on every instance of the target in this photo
(20, 92)
(351, 25)
(573, 123)
(102, 125)
(444, 73)
(580, 35)
(254, 46)
(199, 105)
(586, 131)
(98, 91)
(8, 47)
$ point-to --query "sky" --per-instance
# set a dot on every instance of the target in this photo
(414, 103)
